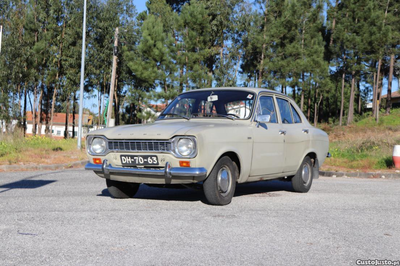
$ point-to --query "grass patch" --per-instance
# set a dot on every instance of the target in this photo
(39, 150)
(366, 145)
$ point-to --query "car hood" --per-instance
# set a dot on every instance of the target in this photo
(159, 130)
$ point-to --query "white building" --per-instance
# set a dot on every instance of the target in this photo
(59, 124)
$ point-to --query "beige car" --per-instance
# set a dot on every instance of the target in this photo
(214, 137)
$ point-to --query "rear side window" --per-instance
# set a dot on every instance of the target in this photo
(284, 110)
(296, 116)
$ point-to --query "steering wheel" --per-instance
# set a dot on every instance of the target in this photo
(235, 115)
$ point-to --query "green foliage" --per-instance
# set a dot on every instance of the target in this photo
(10, 147)
(392, 120)
(306, 49)
(365, 144)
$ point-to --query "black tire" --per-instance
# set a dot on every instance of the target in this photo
(220, 185)
(302, 180)
(122, 190)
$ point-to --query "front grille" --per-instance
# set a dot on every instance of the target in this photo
(139, 145)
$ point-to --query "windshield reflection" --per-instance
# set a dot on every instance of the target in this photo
(223, 104)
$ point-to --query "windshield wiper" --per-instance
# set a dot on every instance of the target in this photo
(181, 116)
(229, 116)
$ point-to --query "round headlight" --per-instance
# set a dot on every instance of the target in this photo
(185, 147)
(98, 145)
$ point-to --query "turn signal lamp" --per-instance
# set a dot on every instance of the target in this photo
(97, 161)
(184, 163)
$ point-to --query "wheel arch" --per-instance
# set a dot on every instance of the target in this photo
(313, 156)
(234, 157)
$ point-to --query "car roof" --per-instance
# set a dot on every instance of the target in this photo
(254, 90)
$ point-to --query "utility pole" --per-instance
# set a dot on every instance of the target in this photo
(82, 77)
(113, 74)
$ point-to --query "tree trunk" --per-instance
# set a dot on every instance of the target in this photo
(302, 94)
(34, 110)
(73, 114)
(309, 104)
(350, 117)
(342, 100)
(389, 92)
(294, 93)
(53, 101)
(376, 110)
(237, 67)
(333, 24)
(260, 74)
(66, 135)
(378, 100)
(316, 109)
(47, 128)
(40, 110)
(116, 107)
(99, 103)
(359, 99)
(25, 104)
(19, 103)
(374, 96)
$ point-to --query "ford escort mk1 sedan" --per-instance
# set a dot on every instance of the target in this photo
(216, 138)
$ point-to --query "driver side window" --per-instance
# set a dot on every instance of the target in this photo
(266, 106)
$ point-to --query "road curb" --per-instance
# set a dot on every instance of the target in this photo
(359, 174)
(42, 167)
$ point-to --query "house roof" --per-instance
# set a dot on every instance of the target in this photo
(395, 94)
(59, 118)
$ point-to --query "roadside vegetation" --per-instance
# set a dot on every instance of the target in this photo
(38, 150)
(365, 145)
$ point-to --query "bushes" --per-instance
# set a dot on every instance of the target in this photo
(365, 145)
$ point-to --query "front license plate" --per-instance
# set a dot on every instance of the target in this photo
(134, 160)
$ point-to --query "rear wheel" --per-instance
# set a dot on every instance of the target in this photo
(220, 185)
(122, 190)
(302, 181)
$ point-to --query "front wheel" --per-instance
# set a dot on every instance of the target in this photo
(220, 185)
(302, 181)
(122, 190)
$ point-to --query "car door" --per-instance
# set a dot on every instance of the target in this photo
(268, 142)
(296, 134)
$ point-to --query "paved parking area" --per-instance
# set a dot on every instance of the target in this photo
(68, 218)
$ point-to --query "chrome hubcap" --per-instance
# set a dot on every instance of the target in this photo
(224, 180)
(306, 174)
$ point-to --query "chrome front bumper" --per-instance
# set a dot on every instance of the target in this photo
(167, 174)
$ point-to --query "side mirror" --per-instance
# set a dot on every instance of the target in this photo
(262, 119)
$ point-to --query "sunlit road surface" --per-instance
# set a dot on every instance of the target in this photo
(68, 218)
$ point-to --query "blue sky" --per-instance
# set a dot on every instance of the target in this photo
(140, 5)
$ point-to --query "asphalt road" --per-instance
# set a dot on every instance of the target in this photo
(68, 218)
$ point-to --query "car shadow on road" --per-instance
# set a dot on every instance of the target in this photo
(166, 194)
(262, 188)
(28, 183)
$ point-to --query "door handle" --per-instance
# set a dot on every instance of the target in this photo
(305, 131)
(282, 132)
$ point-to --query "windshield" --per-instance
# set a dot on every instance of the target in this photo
(231, 104)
